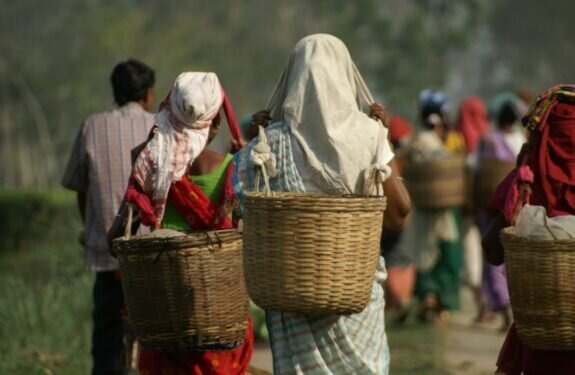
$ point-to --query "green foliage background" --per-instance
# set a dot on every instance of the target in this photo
(56, 56)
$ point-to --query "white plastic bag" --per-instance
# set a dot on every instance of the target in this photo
(533, 223)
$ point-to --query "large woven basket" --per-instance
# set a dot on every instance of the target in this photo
(185, 293)
(310, 253)
(541, 279)
(437, 183)
(491, 174)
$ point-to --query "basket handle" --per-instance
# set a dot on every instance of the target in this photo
(374, 182)
(128, 230)
(266, 179)
(211, 242)
(261, 159)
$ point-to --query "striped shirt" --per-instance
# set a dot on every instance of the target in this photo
(100, 166)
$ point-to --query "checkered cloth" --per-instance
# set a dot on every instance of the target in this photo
(100, 166)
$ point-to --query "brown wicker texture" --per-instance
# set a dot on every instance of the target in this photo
(491, 174)
(257, 371)
(437, 183)
(469, 205)
(185, 293)
(541, 283)
(311, 253)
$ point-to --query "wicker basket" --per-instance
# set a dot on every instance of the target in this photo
(257, 371)
(491, 174)
(437, 183)
(185, 293)
(310, 253)
(541, 279)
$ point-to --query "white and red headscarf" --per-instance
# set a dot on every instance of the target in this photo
(180, 135)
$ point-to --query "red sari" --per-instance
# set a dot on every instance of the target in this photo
(548, 169)
(202, 214)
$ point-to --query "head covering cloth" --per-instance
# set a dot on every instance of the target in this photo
(180, 135)
(497, 104)
(320, 96)
(548, 166)
(399, 129)
(472, 122)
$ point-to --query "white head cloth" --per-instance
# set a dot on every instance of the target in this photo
(181, 134)
(320, 96)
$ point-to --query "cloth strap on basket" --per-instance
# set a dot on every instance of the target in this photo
(376, 174)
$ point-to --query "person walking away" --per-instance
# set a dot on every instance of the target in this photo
(398, 259)
(472, 124)
(504, 144)
(188, 187)
(98, 170)
(435, 236)
(325, 143)
(545, 167)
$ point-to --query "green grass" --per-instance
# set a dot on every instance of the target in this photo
(45, 294)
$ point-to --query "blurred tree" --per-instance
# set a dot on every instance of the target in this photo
(56, 56)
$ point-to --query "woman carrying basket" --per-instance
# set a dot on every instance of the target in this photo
(545, 176)
(178, 183)
(435, 235)
(501, 144)
(323, 142)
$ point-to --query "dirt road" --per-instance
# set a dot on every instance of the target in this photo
(462, 348)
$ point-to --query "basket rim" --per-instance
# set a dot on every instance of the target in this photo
(191, 241)
(288, 195)
(449, 159)
(509, 234)
(188, 234)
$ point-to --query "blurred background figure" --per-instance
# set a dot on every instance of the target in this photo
(502, 144)
(98, 170)
(472, 123)
(398, 258)
(56, 71)
(434, 236)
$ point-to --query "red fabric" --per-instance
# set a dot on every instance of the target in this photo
(201, 214)
(516, 358)
(203, 211)
(553, 162)
(472, 123)
(191, 202)
(399, 285)
(399, 128)
(231, 117)
(229, 362)
(513, 193)
(198, 210)
(142, 201)
(551, 157)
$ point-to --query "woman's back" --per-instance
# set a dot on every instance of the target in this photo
(209, 173)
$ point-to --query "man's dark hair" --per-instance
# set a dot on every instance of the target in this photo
(131, 80)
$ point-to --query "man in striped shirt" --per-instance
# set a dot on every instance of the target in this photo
(98, 170)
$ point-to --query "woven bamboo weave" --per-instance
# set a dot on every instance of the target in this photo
(541, 283)
(257, 371)
(491, 174)
(185, 293)
(311, 253)
(437, 183)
